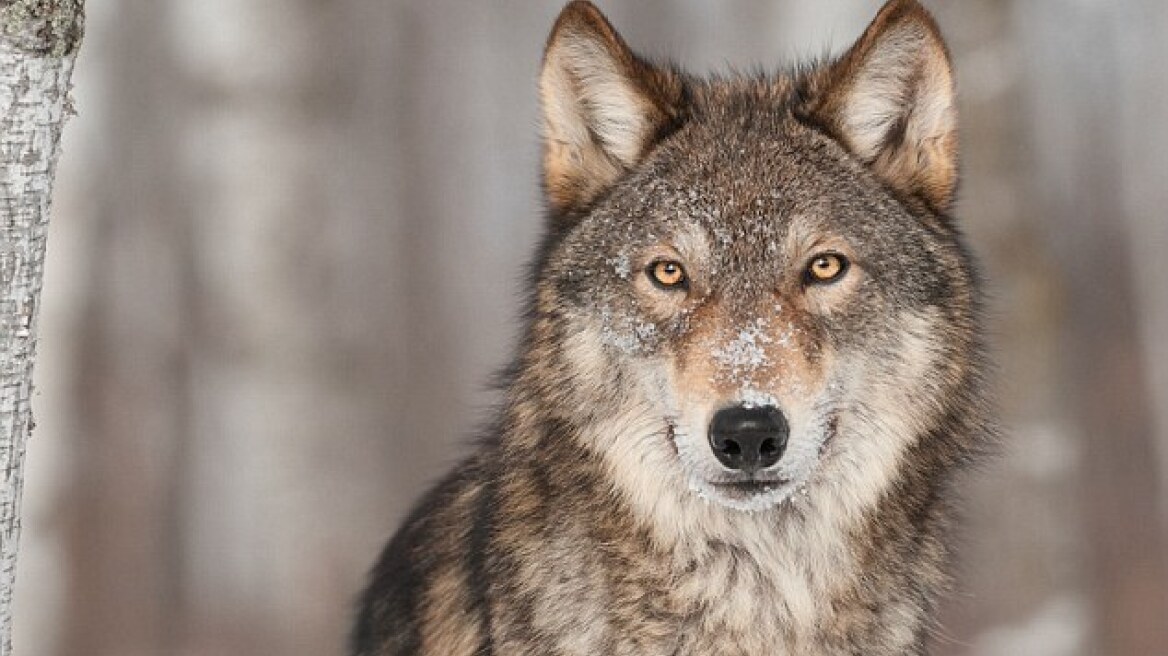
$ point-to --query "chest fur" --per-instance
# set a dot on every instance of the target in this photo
(731, 603)
(721, 602)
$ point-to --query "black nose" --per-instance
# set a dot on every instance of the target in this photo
(748, 439)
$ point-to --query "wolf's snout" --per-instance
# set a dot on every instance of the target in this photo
(748, 439)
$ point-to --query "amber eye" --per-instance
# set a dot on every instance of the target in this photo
(826, 267)
(668, 274)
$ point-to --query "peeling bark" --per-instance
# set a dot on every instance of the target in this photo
(38, 45)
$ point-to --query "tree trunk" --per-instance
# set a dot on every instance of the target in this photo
(38, 44)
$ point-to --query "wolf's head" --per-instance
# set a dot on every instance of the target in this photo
(753, 286)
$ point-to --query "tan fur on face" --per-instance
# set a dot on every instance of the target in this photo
(724, 356)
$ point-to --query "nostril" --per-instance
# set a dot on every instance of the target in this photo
(748, 438)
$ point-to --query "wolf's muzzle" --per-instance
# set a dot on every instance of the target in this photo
(748, 439)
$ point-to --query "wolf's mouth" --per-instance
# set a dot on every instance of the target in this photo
(746, 489)
(750, 493)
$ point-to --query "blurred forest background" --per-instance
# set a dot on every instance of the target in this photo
(286, 254)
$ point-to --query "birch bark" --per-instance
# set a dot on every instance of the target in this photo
(38, 45)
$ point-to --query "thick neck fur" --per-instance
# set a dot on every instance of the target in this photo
(812, 569)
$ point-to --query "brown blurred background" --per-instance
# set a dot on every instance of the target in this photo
(286, 250)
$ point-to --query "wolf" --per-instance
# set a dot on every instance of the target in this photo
(752, 370)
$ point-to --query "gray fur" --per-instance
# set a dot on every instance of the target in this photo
(593, 520)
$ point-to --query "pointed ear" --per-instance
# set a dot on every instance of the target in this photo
(602, 107)
(891, 100)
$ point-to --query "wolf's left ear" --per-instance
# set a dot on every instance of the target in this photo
(603, 107)
(891, 100)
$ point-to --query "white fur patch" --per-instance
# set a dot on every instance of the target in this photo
(884, 408)
(786, 563)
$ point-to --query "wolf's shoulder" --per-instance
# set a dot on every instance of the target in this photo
(432, 552)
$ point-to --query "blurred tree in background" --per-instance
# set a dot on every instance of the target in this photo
(286, 257)
(38, 46)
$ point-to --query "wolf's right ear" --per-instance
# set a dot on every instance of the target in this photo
(603, 107)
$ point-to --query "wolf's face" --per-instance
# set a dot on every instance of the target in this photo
(753, 273)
